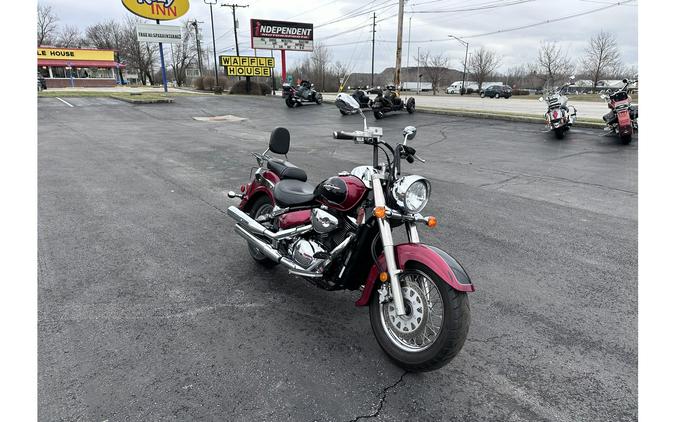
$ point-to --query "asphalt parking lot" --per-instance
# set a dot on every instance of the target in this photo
(151, 309)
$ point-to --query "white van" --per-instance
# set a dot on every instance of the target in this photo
(456, 87)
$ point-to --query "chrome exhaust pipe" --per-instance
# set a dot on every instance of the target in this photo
(254, 227)
(270, 252)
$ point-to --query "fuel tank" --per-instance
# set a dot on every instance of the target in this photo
(341, 192)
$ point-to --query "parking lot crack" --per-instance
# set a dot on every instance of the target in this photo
(383, 399)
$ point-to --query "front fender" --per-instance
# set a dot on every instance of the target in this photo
(440, 262)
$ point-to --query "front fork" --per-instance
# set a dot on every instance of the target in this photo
(388, 246)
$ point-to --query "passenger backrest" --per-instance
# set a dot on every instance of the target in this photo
(280, 141)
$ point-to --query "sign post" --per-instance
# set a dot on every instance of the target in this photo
(158, 10)
(161, 55)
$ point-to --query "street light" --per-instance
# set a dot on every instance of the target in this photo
(213, 35)
(466, 56)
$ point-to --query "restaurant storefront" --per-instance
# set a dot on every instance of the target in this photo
(78, 67)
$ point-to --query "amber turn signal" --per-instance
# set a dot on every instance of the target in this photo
(431, 222)
(379, 212)
(383, 277)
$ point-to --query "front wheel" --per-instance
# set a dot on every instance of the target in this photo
(378, 114)
(318, 98)
(434, 328)
(289, 102)
(559, 132)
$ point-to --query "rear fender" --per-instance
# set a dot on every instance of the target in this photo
(255, 188)
(440, 262)
(625, 125)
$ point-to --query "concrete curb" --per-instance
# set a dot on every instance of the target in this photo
(143, 101)
(493, 116)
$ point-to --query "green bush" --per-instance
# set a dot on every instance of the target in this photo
(257, 88)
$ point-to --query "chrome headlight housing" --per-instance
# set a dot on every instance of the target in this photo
(411, 193)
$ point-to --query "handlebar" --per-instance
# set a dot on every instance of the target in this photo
(349, 136)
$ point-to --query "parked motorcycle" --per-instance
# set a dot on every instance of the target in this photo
(622, 119)
(560, 116)
(388, 100)
(360, 96)
(303, 93)
(338, 235)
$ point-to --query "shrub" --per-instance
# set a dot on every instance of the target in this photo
(218, 89)
(199, 83)
(470, 91)
(209, 81)
(257, 88)
(520, 92)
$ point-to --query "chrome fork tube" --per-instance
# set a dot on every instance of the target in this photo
(388, 246)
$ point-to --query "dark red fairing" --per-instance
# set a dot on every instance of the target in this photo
(293, 219)
(356, 190)
(437, 260)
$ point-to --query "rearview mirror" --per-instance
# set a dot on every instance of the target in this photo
(346, 103)
(409, 132)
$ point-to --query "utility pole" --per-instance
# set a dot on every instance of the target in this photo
(466, 56)
(419, 77)
(372, 57)
(407, 64)
(234, 18)
(213, 35)
(199, 47)
(399, 46)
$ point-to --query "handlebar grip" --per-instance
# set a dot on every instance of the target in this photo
(343, 135)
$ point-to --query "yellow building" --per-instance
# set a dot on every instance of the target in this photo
(78, 67)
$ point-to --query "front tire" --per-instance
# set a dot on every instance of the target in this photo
(378, 114)
(435, 327)
(319, 98)
(289, 102)
(262, 205)
(626, 139)
(559, 132)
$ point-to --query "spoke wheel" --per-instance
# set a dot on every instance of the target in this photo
(434, 327)
(420, 326)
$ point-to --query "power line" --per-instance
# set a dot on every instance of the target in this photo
(470, 9)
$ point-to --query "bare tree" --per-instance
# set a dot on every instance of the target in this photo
(602, 55)
(69, 37)
(106, 35)
(340, 71)
(46, 24)
(136, 54)
(320, 59)
(482, 64)
(435, 67)
(184, 54)
(553, 65)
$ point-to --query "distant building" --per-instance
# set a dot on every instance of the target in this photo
(78, 67)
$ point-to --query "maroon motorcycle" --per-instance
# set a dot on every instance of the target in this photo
(622, 119)
(338, 235)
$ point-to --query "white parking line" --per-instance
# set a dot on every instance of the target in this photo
(65, 102)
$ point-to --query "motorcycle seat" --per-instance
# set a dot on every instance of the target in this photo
(291, 192)
(286, 170)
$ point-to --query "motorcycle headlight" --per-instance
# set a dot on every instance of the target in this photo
(411, 193)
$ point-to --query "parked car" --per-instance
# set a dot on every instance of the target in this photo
(497, 91)
(456, 87)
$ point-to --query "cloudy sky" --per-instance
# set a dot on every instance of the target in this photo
(430, 21)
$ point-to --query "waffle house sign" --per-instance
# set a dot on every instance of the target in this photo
(162, 10)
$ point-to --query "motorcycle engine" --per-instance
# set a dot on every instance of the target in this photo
(303, 252)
